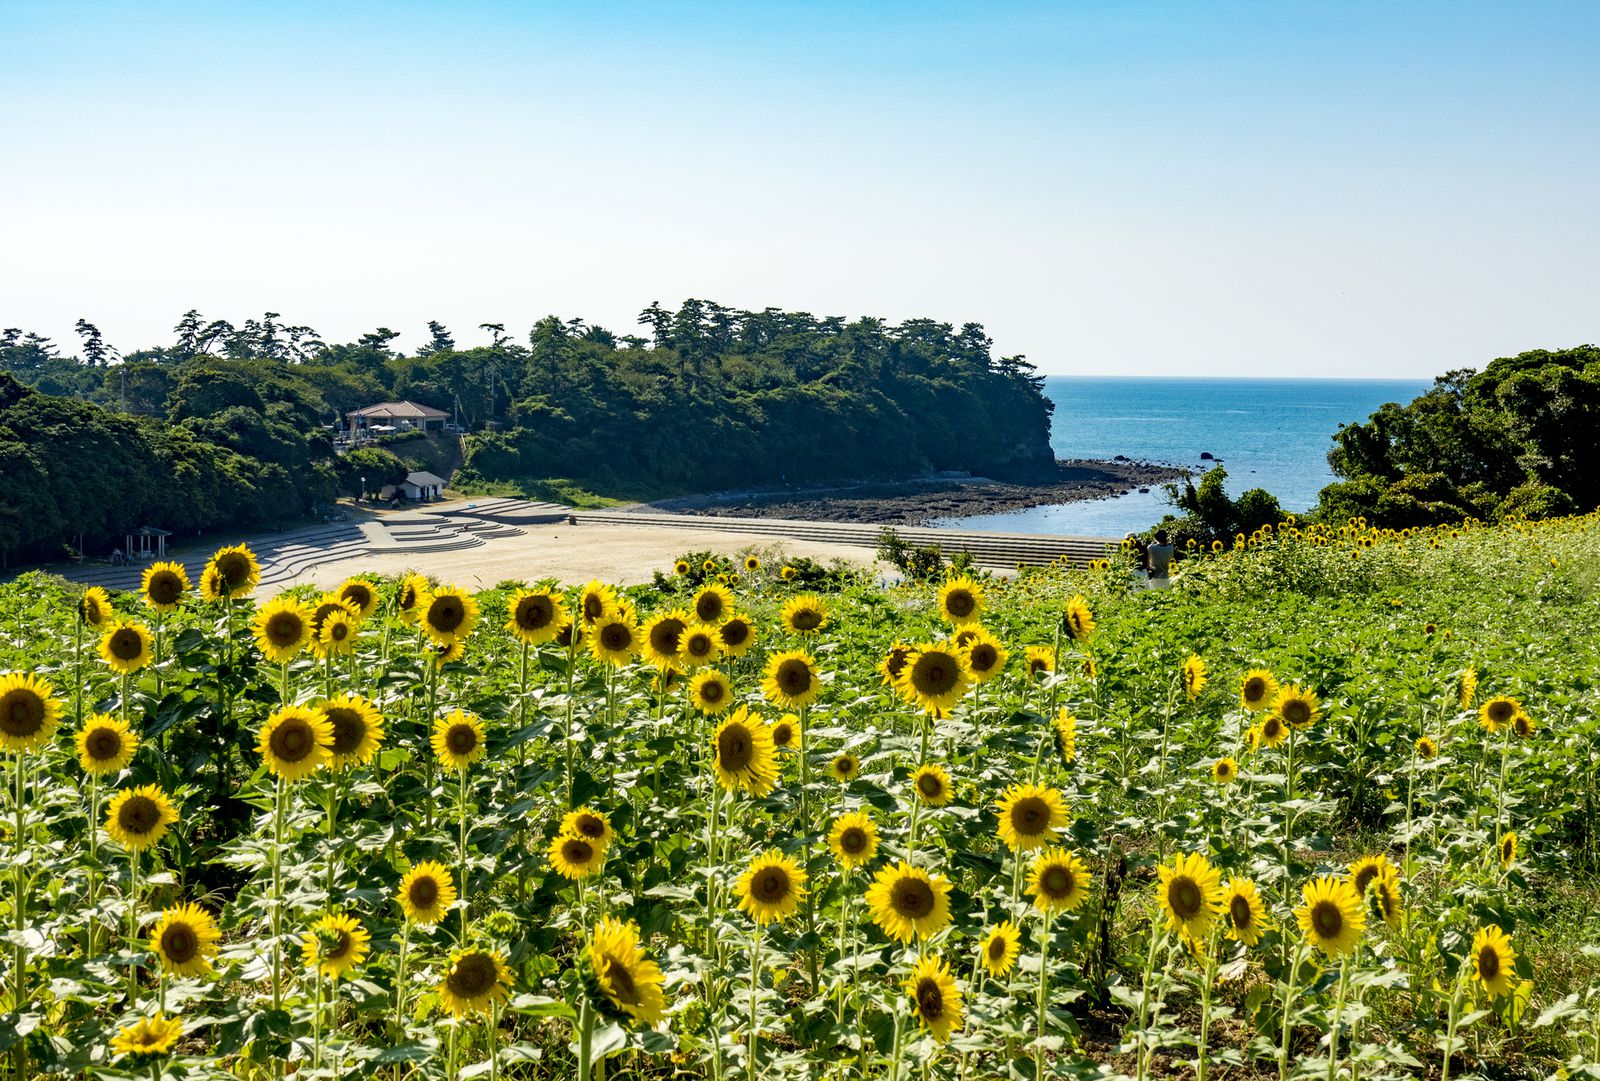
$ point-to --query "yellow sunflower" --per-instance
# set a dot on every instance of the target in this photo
(1522, 725)
(681, 567)
(614, 638)
(1066, 726)
(790, 679)
(1194, 677)
(736, 635)
(444, 653)
(474, 982)
(935, 997)
(138, 817)
(1041, 659)
(1468, 687)
(1271, 731)
(663, 638)
(629, 980)
(1058, 880)
(960, 601)
(164, 585)
(575, 857)
(934, 678)
(408, 599)
(788, 573)
(149, 1036)
(447, 613)
(29, 713)
(94, 607)
(1493, 961)
(358, 729)
(713, 604)
(1498, 713)
(771, 888)
(1244, 914)
(752, 563)
(984, 657)
(282, 628)
(1224, 771)
(1077, 620)
(360, 595)
(1030, 815)
(804, 614)
(1257, 689)
(853, 840)
(894, 662)
(589, 824)
(457, 739)
(1367, 869)
(327, 605)
(536, 616)
(595, 599)
(1385, 893)
(185, 938)
(105, 745)
(745, 758)
(1331, 918)
(336, 945)
(231, 574)
(710, 692)
(1427, 748)
(1298, 707)
(337, 635)
(932, 784)
(1508, 849)
(1190, 894)
(699, 646)
(296, 742)
(426, 893)
(1000, 949)
(126, 646)
(786, 732)
(907, 901)
(845, 767)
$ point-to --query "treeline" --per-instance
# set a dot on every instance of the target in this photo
(228, 424)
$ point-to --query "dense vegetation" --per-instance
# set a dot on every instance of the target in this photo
(1154, 866)
(225, 427)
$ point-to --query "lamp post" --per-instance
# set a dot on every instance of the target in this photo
(363, 488)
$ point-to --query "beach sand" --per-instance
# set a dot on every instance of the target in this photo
(619, 554)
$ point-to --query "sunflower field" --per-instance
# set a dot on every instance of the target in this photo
(1325, 808)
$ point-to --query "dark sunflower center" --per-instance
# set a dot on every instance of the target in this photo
(180, 943)
(1296, 712)
(446, 614)
(126, 645)
(1489, 962)
(911, 898)
(1327, 918)
(997, 948)
(664, 636)
(984, 656)
(1239, 912)
(1271, 728)
(711, 691)
(424, 892)
(934, 673)
(930, 1000)
(535, 613)
(930, 786)
(794, 677)
(323, 611)
(734, 748)
(698, 645)
(853, 840)
(577, 851)
(462, 739)
(340, 947)
(807, 619)
(1364, 879)
(360, 596)
(1030, 815)
(349, 729)
(1056, 880)
(1255, 689)
(616, 636)
(408, 597)
(896, 661)
(293, 740)
(620, 981)
(960, 603)
(21, 712)
(165, 588)
(285, 629)
(138, 815)
(845, 765)
(472, 976)
(1500, 712)
(103, 744)
(708, 608)
(1183, 893)
(594, 606)
(735, 632)
(771, 885)
(1508, 848)
(590, 826)
(234, 569)
(339, 631)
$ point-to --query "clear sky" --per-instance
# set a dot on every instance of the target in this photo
(1272, 188)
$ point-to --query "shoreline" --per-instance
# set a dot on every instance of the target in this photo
(916, 501)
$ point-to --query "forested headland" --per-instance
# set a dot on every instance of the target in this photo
(228, 426)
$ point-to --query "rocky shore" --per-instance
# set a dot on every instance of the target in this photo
(914, 502)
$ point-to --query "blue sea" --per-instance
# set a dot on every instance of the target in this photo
(1268, 433)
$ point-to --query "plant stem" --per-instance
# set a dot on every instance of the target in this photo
(755, 983)
(461, 849)
(1333, 1025)
(1044, 992)
(1288, 1011)
(277, 896)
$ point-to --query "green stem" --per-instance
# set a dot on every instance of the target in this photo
(585, 1038)
(1288, 1011)
(461, 849)
(755, 983)
(1205, 1006)
(20, 839)
(133, 925)
(1044, 993)
(805, 837)
(1333, 1024)
(277, 896)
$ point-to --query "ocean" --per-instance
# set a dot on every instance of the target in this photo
(1268, 433)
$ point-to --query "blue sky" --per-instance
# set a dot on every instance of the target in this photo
(1347, 189)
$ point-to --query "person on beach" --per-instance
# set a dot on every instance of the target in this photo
(1158, 560)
